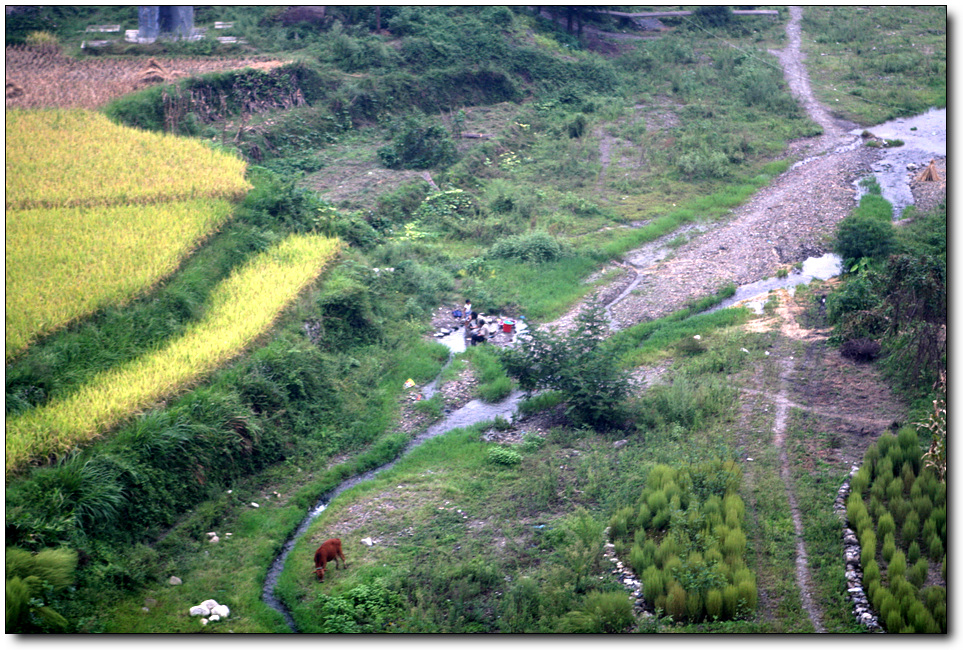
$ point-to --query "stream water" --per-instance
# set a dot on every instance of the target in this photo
(924, 138)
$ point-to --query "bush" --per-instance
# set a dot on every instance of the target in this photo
(859, 236)
(534, 247)
(504, 456)
(862, 350)
(579, 364)
(418, 145)
(601, 613)
(885, 526)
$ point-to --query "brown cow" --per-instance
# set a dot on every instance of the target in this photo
(330, 550)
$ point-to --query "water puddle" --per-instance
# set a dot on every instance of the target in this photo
(755, 294)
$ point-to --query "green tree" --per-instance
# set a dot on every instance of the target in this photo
(578, 364)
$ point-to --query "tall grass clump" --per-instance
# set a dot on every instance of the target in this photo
(260, 290)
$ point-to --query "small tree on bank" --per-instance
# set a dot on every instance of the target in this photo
(579, 365)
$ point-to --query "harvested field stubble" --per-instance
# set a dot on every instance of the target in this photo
(45, 78)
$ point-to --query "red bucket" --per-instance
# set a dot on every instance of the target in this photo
(508, 326)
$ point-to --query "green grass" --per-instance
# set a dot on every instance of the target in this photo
(874, 63)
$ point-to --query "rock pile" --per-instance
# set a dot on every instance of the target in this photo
(627, 578)
(210, 611)
(854, 571)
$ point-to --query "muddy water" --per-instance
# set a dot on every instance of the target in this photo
(471, 413)
(924, 138)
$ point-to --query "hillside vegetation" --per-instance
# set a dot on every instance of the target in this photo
(406, 158)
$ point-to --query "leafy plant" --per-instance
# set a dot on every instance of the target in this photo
(418, 145)
(578, 364)
(501, 455)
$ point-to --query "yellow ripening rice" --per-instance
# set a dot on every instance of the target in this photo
(240, 309)
(64, 158)
(65, 263)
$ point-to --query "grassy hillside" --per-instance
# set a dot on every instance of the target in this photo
(482, 152)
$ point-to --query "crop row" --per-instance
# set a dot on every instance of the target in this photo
(59, 158)
(686, 542)
(898, 509)
(240, 309)
(44, 78)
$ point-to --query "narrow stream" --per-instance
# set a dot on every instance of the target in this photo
(471, 413)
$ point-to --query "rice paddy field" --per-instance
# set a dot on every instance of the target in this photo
(85, 229)
(44, 78)
(264, 286)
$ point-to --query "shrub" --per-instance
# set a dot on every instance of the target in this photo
(861, 350)
(504, 456)
(579, 364)
(653, 584)
(934, 546)
(535, 247)
(871, 572)
(889, 547)
(867, 549)
(621, 524)
(675, 602)
(917, 573)
(859, 236)
(897, 565)
(714, 605)
(913, 553)
(418, 145)
(748, 595)
(730, 601)
(693, 606)
(885, 526)
(601, 613)
(911, 527)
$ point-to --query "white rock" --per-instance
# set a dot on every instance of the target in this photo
(203, 621)
(367, 541)
(215, 617)
(254, 505)
(221, 611)
(210, 604)
(215, 539)
(174, 580)
(197, 610)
